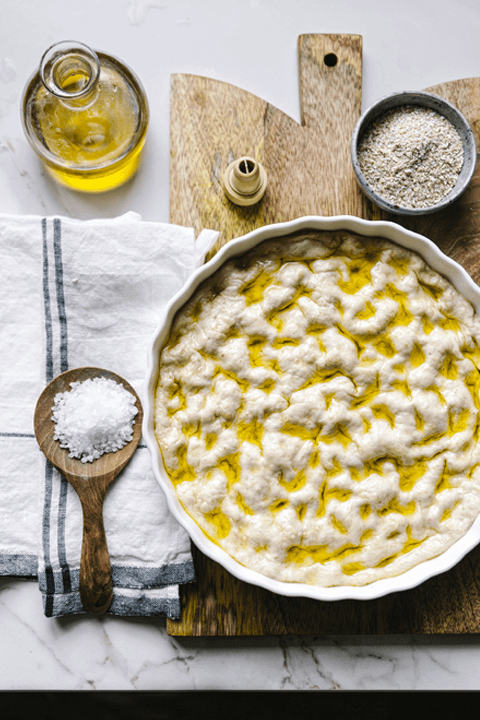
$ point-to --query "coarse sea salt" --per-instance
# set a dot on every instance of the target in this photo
(94, 417)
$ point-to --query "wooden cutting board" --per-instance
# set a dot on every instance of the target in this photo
(309, 173)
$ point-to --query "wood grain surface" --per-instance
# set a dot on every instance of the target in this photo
(309, 173)
(308, 165)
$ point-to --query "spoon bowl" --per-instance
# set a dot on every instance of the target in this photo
(90, 480)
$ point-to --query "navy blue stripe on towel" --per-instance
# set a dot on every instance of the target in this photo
(56, 360)
(49, 578)
(145, 577)
(122, 605)
(18, 565)
(47, 503)
(63, 353)
(62, 552)
(47, 308)
(132, 578)
(62, 317)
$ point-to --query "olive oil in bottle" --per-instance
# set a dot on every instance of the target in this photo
(86, 115)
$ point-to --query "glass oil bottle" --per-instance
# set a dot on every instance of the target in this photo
(85, 114)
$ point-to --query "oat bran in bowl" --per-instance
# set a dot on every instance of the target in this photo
(413, 153)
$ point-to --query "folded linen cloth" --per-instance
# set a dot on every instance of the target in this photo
(75, 293)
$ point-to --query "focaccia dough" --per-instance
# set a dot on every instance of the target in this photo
(317, 409)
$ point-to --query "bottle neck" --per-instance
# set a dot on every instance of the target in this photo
(70, 72)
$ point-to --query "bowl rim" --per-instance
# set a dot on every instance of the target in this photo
(430, 252)
(422, 99)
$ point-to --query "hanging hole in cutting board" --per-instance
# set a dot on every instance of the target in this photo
(330, 59)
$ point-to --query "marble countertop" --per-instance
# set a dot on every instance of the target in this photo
(251, 44)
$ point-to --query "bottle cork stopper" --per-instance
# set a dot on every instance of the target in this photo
(245, 181)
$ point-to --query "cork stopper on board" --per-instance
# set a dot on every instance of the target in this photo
(245, 181)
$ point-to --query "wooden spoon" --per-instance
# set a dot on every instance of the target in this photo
(90, 481)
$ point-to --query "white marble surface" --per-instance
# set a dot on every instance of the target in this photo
(252, 44)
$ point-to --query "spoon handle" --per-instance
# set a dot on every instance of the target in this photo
(96, 587)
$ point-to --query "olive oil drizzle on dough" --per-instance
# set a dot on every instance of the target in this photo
(370, 399)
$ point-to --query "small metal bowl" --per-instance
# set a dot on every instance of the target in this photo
(427, 100)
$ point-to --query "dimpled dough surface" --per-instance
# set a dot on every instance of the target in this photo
(317, 409)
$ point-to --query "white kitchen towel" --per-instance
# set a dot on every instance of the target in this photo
(76, 293)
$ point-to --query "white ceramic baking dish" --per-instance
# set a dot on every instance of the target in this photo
(436, 259)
